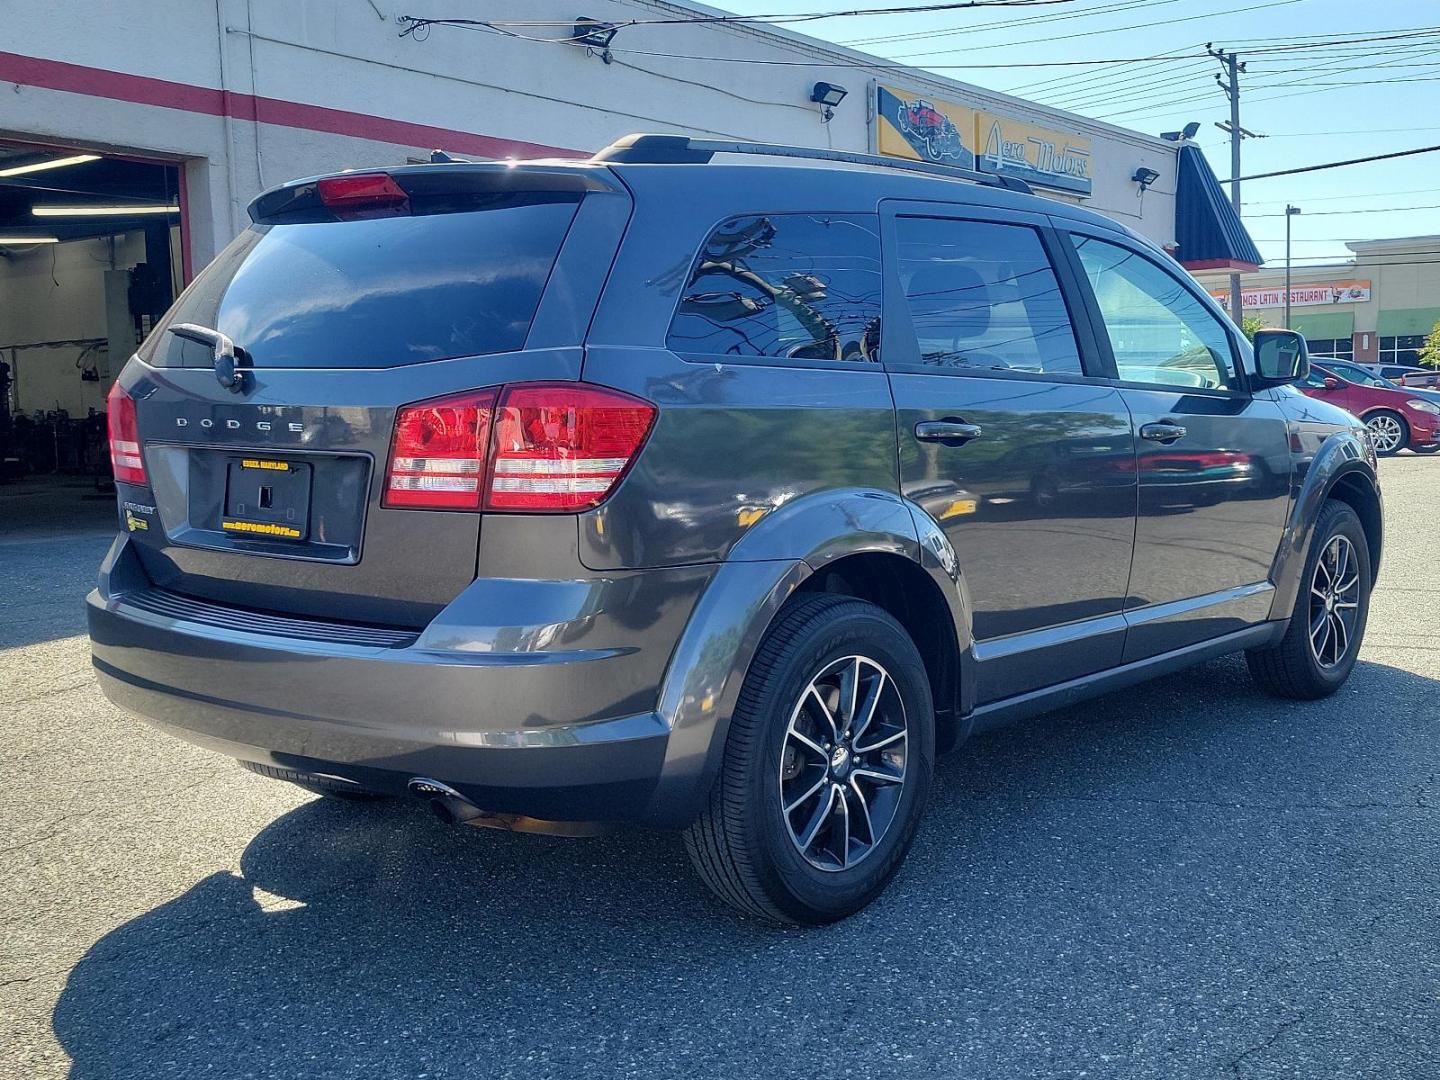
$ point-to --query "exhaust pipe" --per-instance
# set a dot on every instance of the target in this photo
(452, 808)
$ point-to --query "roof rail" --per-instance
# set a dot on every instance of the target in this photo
(683, 150)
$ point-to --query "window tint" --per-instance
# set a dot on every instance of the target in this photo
(378, 292)
(984, 296)
(793, 286)
(1160, 333)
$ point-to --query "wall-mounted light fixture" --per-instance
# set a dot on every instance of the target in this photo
(1145, 177)
(594, 34)
(25, 241)
(1188, 133)
(827, 96)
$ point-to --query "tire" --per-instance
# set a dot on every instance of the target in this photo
(744, 845)
(1425, 449)
(1390, 421)
(319, 785)
(1294, 668)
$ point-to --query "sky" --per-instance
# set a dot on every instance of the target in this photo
(1312, 105)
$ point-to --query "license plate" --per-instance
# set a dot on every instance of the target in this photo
(267, 499)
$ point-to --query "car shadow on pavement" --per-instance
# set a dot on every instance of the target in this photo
(1144, 880)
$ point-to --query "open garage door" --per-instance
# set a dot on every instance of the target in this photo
(90, 257)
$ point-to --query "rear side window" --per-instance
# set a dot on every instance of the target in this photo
(789, 286)
(379, 292)
(983, 296)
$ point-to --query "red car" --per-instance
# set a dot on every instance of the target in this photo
(1395, 417)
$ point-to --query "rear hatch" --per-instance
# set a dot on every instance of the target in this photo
(349, 298)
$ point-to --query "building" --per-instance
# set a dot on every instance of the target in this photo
(149, 125)
(1374, 308)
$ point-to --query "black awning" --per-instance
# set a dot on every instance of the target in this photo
(1208, 232)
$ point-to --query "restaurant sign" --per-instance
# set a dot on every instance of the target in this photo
(1309, 295)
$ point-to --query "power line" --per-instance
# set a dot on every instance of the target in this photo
(1370, 210)
(1340, 164)
(730, 20)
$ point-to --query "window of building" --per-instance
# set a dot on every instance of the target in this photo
(1401, 350)
(1159, 330)
(983, 296)
(1341, 348)
(789, 286)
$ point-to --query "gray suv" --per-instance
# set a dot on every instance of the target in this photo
(719, 495)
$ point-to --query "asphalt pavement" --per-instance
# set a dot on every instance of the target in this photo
(1187, 879)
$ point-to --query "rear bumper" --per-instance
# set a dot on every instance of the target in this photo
(556, 719)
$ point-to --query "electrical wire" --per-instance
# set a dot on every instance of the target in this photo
(1336, 164)
(1367, 210)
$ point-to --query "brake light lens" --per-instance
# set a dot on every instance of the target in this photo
(529, 447)
(437, 455)
(124, 429)
(562, 447)
(363, 192)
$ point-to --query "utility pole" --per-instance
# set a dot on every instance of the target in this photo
(1233, 67)
(1290, 212)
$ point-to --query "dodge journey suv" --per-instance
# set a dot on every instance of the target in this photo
(714, 486)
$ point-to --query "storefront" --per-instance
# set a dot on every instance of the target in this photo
(1375, 308)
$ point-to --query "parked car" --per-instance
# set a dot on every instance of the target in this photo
(554, 494)
(1397, 417)
(1407, 374)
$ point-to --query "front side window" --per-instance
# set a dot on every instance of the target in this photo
(983, 296)
(789, 286)
(1159, 331)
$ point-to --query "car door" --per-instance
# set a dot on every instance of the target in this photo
(1213, 460)
(1324, 386)
(1009, 441)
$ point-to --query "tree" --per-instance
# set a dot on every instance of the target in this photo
(1430, 351)
(1249, 324)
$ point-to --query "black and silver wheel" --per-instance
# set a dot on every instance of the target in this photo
(827, 766)
(1388, 432)
(842, 772)
(1322, 641)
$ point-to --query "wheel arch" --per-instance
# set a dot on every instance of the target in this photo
(871, 544)
(1343, 468)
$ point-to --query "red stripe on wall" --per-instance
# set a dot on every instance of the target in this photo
(162, 93)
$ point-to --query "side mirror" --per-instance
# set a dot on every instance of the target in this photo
(1332, 383)
(1280, 357)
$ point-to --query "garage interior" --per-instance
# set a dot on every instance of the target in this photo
(90, 257)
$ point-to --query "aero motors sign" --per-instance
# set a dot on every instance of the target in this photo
(1333, 292)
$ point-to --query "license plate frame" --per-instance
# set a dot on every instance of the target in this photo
(267, 498)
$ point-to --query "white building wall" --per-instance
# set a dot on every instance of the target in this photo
(347, 55)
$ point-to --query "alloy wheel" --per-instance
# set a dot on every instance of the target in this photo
(1385, 433)
(842, 767)
(1334, 602)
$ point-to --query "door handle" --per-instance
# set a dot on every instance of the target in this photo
(951, 432)
(1163, 432)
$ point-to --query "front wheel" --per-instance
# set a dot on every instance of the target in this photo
(826, 770)
(1388, 432)
(1320, 645)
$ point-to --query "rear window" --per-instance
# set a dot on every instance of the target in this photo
(379, 292)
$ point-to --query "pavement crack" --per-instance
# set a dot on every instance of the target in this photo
(1260, 1048)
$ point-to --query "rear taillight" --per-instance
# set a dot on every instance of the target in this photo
(366, 194)
(125, 459)
(437, 456)
(530, 447)
(562, 446)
